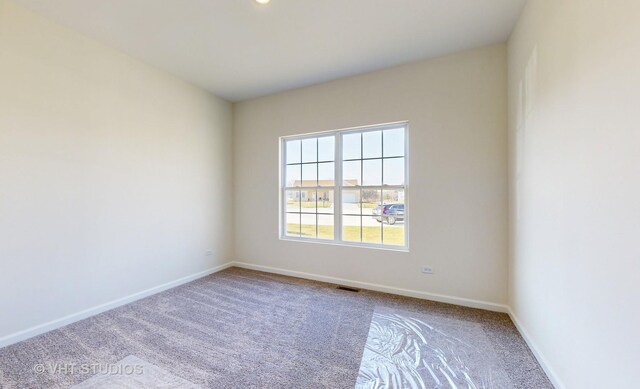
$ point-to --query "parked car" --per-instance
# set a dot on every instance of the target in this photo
(389, 213)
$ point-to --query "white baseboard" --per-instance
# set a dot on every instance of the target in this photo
(380, 288)
(55, 324)
(553, 377)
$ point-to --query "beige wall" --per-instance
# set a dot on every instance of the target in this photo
(456, 108)
(575, 188)
(114, 177)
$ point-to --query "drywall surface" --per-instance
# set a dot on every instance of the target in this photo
(456, 108)
(114, 177)
(575, 185)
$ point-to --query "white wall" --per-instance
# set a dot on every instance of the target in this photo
(114, 177)
(456, 108)
(575, 187)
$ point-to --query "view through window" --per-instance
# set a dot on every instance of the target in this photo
(346, 186)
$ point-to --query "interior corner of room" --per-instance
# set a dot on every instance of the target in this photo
(151, 213)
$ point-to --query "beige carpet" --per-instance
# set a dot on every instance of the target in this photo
(134, 373)
(246, 329)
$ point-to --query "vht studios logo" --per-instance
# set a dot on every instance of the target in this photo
(88, 368)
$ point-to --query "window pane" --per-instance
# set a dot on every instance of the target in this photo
(393, 196)
(351, 201)
(310, 150)
(294, 175)
(326, 148)
(351, 173)
(393, 218)
(371, 198)
(293, 201)
(304, 197)
(310, 174)
(371, 230)
(351, 148)
(372, 172)
(394, 171)
(393, 234)
(308, 203)
(293, 224)
(394, 143)
(325, 227)
(308, 226)
(325, 201)
(372, 144)
(351, 230)
(293, 151)
(326, 174)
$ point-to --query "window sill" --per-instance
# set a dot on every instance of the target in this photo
(402, 249)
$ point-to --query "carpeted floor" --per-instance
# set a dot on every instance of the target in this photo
(246, 329)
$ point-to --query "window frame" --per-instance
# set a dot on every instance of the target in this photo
(339, 187)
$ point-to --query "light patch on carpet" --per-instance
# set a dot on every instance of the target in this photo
(145, 376)
(412, 350)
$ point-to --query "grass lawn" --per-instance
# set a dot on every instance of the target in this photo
(392, 235)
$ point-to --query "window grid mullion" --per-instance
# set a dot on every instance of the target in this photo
(364, 159)
(317, 182)
(384, 187)
(282, 218)
(300, 199)
(337, 173)
(311, 163)
(361, 177)
(382, 183)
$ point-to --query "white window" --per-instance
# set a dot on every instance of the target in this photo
(346, 187)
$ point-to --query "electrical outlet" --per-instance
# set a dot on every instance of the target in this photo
(427, 270)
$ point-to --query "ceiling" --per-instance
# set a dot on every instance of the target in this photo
(238, 49)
